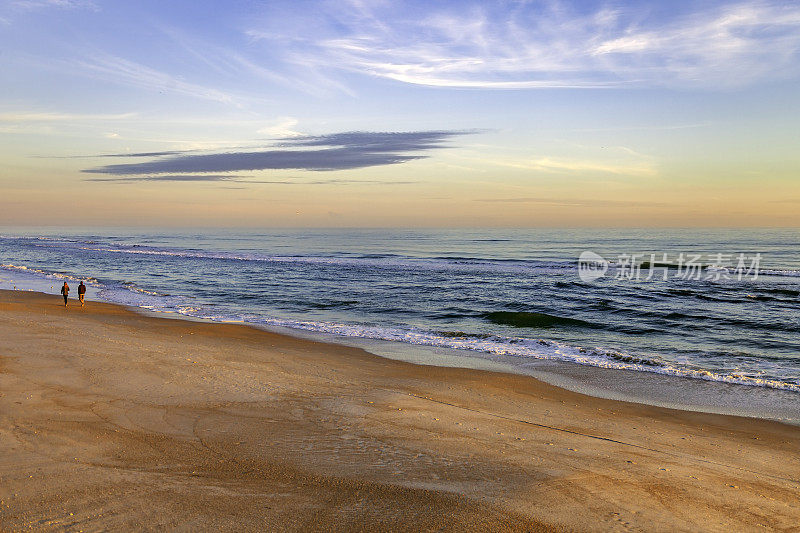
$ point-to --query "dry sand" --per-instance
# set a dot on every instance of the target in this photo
(113, 420)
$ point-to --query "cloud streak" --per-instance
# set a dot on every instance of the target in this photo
(549, 44)
(45, 4)
(119, 70)
(567, 202)
(238, 178)
(62, 117)
(555, 165)
(178, 177)
(338, 151)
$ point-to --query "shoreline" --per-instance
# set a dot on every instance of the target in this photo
(230, 426)
(681, 393)
(634, 385)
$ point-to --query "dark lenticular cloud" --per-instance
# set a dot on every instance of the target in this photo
(320, 160)
(338, 151)
(380, 141)
(238, 178)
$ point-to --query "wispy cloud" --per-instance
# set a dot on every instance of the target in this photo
(574, 202)
(119, 70)
(235, 64)
(124, 154)
(786, 201)
(62, 117)
(238, 178)
(176, 177)
(141, 154)
(549, 164)
(281, 127)
(63, 4)
(582, 160)
(338, 151)
(336, 182)
(526, 45)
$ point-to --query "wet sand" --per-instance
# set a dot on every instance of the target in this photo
(114, 420)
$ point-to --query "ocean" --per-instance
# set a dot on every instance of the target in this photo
(719, 306)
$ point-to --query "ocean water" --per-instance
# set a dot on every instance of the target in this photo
(511, 294)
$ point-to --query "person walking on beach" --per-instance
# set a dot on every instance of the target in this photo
(65, 292)
(81, 292)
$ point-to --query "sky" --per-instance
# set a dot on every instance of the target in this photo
(357, 113)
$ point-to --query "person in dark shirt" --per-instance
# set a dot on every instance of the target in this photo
(81, 292)
(65, 292)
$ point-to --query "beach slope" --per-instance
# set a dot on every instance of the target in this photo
(114, 420)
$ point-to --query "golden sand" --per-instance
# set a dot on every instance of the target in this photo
(114, 420)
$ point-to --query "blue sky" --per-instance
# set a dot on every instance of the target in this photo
(534, 113)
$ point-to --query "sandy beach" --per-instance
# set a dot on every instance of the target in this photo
(114, 420)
